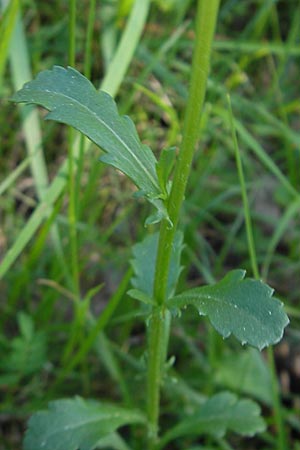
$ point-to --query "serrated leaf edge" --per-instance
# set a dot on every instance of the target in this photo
(238, 275)
(82, 105)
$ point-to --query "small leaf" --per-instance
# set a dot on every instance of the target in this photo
(73, 100)
(160, 214)
(164, 168)
(221, 413)
(143, 263)
(243, 307)
(26, 353)
(141, 296)
(75, 424)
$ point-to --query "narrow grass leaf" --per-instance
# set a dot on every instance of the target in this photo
(129, 42)
(238, 306)
(13, 175)
(281, 228)
(76, 424)
(20, 73)
(258, 47)
(6, 30)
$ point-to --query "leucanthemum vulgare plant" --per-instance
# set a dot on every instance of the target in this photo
(236, 305)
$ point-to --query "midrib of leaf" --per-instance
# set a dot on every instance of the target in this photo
(84, 107)
(84, 423)
(195, 298)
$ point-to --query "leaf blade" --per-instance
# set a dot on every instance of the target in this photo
(72, 424)
(238, 306)
(71, 98)
(219, 414)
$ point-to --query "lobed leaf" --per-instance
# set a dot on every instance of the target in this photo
(243, 307)
(221, 413)
(26, 353)
(72, 99)
(247, 373)
(76, 424)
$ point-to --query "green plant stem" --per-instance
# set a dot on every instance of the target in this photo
(71, 167)
(278, 419)
(249, 230)
(155, 337)
(72, 31)
(87, 73)
(89, 38)
(72, 213)
(205, 26)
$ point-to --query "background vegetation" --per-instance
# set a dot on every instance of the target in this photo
(62, 267)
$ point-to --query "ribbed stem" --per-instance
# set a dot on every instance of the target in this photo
(157, 337)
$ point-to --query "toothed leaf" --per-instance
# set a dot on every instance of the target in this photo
(73, 100)
(238, 306)
(75, 424)
(221, 413)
